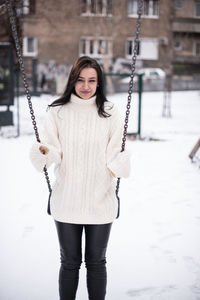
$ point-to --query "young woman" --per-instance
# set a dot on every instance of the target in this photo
(82, 136)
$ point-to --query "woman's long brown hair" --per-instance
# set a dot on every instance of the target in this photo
(79, 65)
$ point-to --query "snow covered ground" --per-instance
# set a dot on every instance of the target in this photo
(154, 249)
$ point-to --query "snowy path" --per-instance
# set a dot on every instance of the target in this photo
(154, 250)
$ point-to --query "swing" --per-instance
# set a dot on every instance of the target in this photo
(28, 95)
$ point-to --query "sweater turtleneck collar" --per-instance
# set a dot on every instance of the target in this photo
(77, 100)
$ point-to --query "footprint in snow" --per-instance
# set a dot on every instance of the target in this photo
(151, 292)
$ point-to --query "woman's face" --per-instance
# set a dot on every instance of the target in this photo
(86, 84)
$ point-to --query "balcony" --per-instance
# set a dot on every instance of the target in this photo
(186, 59)
(189, 25)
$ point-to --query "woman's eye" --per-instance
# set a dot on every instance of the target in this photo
(90, 81)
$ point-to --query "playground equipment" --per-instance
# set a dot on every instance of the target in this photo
(28, 94)
(195, 153)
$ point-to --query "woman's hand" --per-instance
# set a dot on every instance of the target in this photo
(44, 150)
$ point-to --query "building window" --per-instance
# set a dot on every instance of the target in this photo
(97, 48)
(197, 48)
(96, 7)
(28, 7)
(148, 49)
(177, 45)
(178, 4)
(130, 48)
(132, 7)
(197, 9)
(150, 8)
(155, 10)
(30, 46)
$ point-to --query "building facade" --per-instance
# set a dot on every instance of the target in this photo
(186, 36)
(102, 29)
(56, 33)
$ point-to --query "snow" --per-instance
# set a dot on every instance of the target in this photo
(154, 248)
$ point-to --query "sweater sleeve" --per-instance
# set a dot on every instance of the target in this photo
(117, 162)
(49, 137)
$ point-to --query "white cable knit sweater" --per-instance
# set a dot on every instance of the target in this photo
(84, 148)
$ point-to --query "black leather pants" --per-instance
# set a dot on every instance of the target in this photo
(96, 239)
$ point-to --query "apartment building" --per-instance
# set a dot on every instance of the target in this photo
(186, 36)
(55, 33)
(102, 29)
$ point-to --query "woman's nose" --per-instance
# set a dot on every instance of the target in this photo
(85, 85)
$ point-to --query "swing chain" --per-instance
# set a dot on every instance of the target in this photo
(24, 77)
(132, 75)
(130, 90)
(131, 82)
(21, 64)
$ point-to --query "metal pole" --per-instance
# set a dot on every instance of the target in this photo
(140, 86)
(18, 117)
(34, 77)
